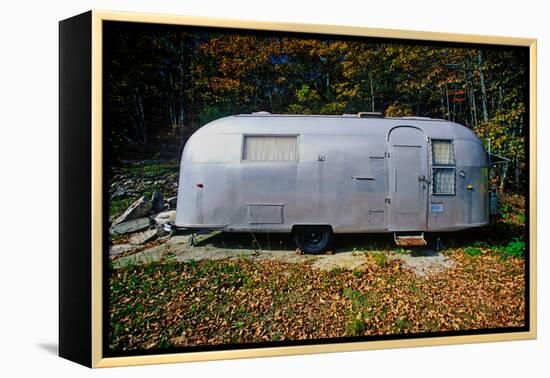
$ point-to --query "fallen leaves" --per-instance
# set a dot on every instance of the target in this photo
(244, 301)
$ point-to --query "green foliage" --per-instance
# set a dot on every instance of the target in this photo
(118, 206)
(333, 108)
(402, 323)
(357, 273)
(358, 299)
(515, 248)
(481, 244)
(356, 327)
(307, 95)
(210, 113)
(337, 270)
(356, 324)
(399, 110)
(152, 168)
(472, 251)
(380, 259)
(307, 101)
(400, 251)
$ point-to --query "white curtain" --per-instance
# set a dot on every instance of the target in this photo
(442, 152)
(270, 148)
(444, 181)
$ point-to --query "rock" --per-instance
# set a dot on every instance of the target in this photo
(157, 202)
(425, 262)
(138, 209)
(165, 217)
(161, 232)
(172, 202)
(144, 257)
(143, 237)
(131, 226)
(342, 260)
(119, 249)
(119, 193)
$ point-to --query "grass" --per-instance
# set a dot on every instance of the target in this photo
(380, 258)
(143, 171)
(472, 251)
(151, 168)
(357, 273)
(356, 327)
(400, 251)
(504, 238)
(515, 248)
(356, 324)
(401, 324)
(358, 299)
(118, 206)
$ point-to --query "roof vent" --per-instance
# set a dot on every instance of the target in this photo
(261, 113)
(370, 115)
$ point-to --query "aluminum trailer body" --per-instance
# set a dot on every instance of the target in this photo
(351, 174)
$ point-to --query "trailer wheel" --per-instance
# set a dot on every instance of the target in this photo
(312, 239)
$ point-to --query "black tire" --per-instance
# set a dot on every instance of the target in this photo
(312, 239)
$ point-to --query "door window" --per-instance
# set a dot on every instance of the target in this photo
(443, 167)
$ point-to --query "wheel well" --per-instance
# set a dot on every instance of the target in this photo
(296, 227)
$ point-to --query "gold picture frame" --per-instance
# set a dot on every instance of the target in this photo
(92, 264)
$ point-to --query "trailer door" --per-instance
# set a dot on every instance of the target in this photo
(408, 179)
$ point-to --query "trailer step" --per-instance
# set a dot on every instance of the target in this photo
(403, 240)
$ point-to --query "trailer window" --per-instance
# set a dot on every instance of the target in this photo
(442, 152)
(443, 181)
(270, 148)
(443, 167)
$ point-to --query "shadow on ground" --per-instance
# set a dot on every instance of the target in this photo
(348, 251)
(283, 241)
(497, 233)
(51, 348)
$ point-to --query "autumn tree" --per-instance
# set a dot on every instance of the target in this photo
(164, 84)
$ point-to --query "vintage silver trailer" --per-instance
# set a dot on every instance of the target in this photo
(318, 175)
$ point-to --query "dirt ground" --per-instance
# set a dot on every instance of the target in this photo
(220, 246)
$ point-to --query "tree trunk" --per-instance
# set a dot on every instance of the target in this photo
(371, 91)
(139, 123)
(448, 109)
(483, 89)
(474, 107)
(418, 102)
(182, 86)
(517, 173)
(442, 99)
(173, 118)
(503, 176)
(192, 86)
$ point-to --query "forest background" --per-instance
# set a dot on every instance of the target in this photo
(164, 84)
